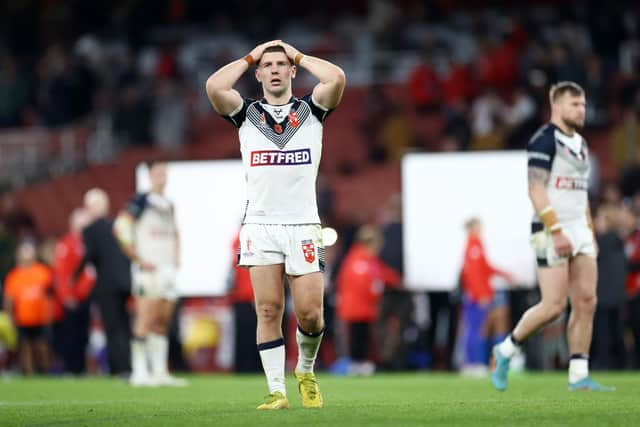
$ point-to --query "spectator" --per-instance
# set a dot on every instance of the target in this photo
(169, 117)
(56, 97)
(132, 116)
(486, 127)
(17, 220)
(360, 283)
(425, 90)
(625, 139)
(7, 251)
(27, 298)
(113, 280)
(73, 287)
(13, 93)
(480, 301)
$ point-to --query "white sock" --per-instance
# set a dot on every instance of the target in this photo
(508, 348)
(139, 365)
(272, 356)
(158, 350)
(308, 345)
(578, 368)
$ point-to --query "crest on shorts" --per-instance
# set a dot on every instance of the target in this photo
(309, 250)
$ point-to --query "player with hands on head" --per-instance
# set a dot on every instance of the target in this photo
(281, 144)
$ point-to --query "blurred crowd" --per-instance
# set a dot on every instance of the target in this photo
(438, 76)
(373, 322)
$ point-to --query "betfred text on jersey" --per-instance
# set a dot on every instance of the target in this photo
(569, 183)
(281, 158)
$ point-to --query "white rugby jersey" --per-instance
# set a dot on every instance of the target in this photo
(155, 228)
(566, 157)
(281, 146)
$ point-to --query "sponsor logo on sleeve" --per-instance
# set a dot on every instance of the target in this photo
(569, 183)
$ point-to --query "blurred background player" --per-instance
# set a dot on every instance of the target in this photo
(148, 235)
(28, 299)
(281, 143)
(73, 283)
(360, 285)
(485, 311)
(562, 236)
(113, 280)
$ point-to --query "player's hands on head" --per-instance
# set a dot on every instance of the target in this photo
(562, 245)
(257, 51)
(290, 51)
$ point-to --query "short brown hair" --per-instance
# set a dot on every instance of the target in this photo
(276, 48)
(369, 234)
(559, 89)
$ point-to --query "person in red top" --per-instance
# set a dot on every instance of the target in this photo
(360, 283)
(632, 287)
(73, 285)
(241, 296)
(485, 311)
(27, 298)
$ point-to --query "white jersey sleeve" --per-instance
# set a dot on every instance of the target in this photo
(566, 157)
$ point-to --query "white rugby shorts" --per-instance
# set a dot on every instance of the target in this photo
(160, 283)
(298, 247)
(580, 236)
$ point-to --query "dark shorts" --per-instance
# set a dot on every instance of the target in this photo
(32, 333)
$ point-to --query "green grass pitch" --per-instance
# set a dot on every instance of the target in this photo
(410, 399)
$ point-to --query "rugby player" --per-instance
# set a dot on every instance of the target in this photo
(281, 143)
(562, 237)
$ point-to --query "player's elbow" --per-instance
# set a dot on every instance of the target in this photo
(211, 85)
(212, 89)
(340, 77)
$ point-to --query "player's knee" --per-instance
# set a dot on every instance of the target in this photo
(310, 318)
(586, 303)
(141, 328)
(160, 328)
(555, 309)
(269, 311)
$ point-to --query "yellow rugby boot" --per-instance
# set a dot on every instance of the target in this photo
(275, 400)
(309, 390)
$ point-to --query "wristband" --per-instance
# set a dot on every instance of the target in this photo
(555, 228)
(298, 58)
(549, 219)
(545, 210)
(249, 60)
